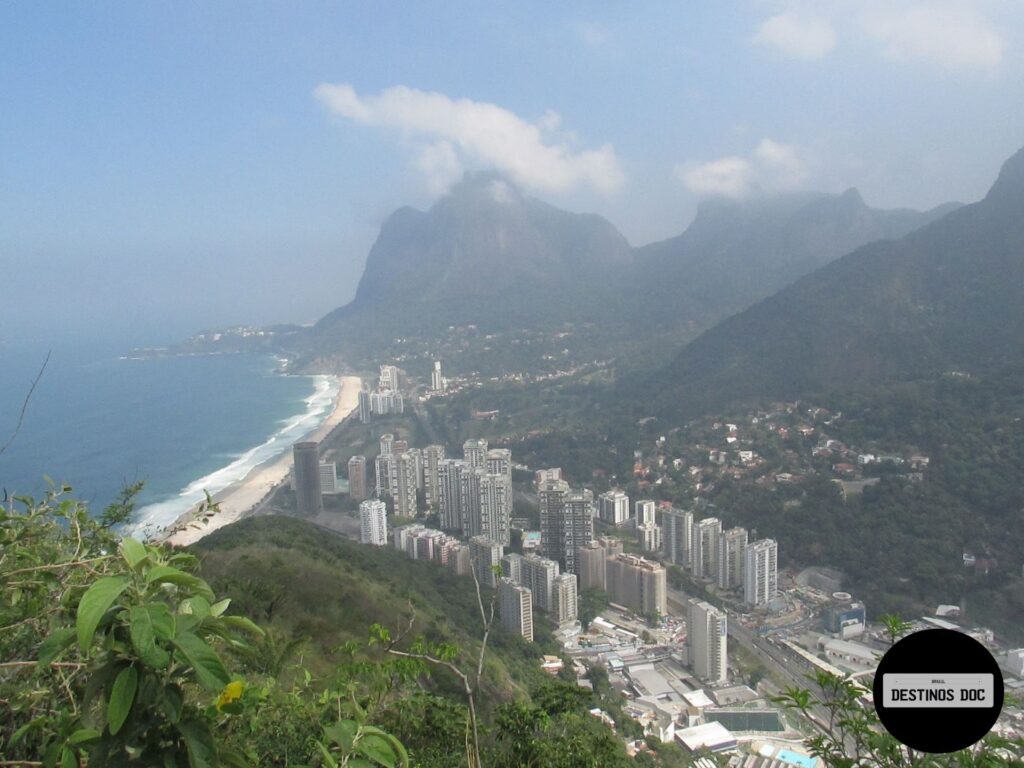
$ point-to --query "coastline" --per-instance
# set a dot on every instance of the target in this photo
(239, 499)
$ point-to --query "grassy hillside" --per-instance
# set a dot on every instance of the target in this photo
(307, 582)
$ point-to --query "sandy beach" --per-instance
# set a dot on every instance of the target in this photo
(241, 498)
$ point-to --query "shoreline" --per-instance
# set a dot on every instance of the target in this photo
(239, 499)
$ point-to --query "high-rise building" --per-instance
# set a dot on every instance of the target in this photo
(449, 487)
(387, 402)
(459, 561)
(357, 478)
(512, 567)
(470, 479)
(637, 584)
(308, 500)
(566, 522)
(485, 555)
(437, 378)
(613, 507)
(328, 477)
(399, 446)
(364, 406)
(496, 507)
(373, 523)
(760, 572)
(564, 607)
(475, 453)
(386, 475)
(677, 535)
(704, 548)
(390, 377)
(405, 472)
(515, 608)
(433, 455)
(707, 637)
(499, 462)
(542, 476)
(645, 512)
(387, 444)
(649, 537)
(591, 562)
(539, 574)
(731, 545)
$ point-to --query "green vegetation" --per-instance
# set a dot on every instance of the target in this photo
(120, 653)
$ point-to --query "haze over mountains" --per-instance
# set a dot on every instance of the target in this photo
(489, 255)
(948, 297)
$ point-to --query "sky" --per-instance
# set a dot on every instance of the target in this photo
(167, 167)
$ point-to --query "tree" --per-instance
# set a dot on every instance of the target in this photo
(852, 736)
(894, 626)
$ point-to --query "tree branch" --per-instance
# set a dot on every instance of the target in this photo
(24, 407)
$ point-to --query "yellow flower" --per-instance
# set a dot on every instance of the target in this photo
(232, 692)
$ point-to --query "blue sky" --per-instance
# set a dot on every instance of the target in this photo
(166, 167)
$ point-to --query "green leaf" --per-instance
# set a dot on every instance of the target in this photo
(165, 574)
(84, 735)
(121, 697)
(378, 749)
(198, 607)
(68, 759)
(396, 745)
(162, 619)
(52, 646)
(206, 664)
(342, 733)
(143, 635)
(202, 752)
(95, 602)
(220, 606)
(133, 552)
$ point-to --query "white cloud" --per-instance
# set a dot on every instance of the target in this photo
(780, 164)
(952, 35)
(726, 177)
(450, 133)
(771, 167)
(797, 36)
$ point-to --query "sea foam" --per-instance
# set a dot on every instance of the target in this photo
(319, 405)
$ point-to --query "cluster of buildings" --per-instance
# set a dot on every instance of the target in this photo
(725, 556)
(387, 398)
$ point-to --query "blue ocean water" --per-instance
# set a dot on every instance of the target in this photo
(183, 424)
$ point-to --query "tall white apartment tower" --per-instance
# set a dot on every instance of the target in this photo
(677, 535)
(613, 507)
(485, 554)
(731, 546)
(704, 548)
(539, 574)
(645, 512)
(470, 479)
(564, 608)
(449, 485)
(373, 523)
(475, 453)
(405, 465)
(499, 462)
(707, 636)
(433, 455)
(437, 378)
(566, 521)
(760, 572)
(496, 508)
(515, 608)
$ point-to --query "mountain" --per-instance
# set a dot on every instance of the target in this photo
(485, 254)
(738, 252)
(489, 255)
(947, 297)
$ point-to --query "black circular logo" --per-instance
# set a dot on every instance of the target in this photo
(938, 690)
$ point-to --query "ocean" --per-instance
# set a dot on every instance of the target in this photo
(98, 421)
